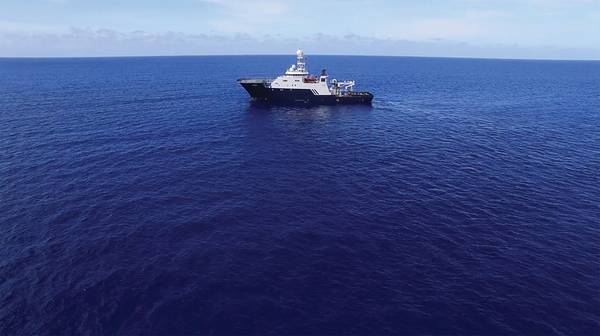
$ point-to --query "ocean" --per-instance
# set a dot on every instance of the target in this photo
(149, 196)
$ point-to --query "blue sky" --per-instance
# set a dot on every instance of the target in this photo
(560, 29)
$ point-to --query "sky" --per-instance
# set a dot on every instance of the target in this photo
(545, 29)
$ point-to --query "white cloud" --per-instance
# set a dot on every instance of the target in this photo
(105, 42)
(533, 23)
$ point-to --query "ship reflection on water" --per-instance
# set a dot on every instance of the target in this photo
(304, 113)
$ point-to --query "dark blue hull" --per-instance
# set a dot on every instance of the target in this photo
(259, 91)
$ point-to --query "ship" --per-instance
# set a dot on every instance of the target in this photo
(297, 86)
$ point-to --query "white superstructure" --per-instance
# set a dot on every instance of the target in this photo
(297, 77)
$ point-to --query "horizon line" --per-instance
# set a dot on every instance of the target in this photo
(287, 54)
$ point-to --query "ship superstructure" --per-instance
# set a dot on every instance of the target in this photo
(297, 86)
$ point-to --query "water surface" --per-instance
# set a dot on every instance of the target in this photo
(148, 196)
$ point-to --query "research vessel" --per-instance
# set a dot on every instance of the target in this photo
(297, 86)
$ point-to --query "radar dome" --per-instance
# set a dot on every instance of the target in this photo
(300, 53)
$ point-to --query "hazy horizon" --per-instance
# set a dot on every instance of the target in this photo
(511, 29)
(292, 54)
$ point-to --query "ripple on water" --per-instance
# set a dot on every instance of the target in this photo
(147, 196)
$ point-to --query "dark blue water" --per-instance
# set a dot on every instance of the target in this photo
(147, 196)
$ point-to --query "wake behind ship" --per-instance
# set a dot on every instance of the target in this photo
(297, 86)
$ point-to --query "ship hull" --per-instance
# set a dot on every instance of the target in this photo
(259, 91)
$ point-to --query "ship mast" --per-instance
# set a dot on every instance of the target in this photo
(298, 69)
(300, 64)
